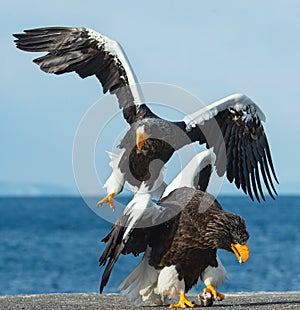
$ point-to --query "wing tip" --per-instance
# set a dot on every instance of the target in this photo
(239, 97)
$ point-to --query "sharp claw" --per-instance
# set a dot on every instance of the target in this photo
(210, 289)
(109, 200)
(183, 302)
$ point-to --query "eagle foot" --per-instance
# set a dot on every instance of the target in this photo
(210, 289)
(183, 302)
(109, 200)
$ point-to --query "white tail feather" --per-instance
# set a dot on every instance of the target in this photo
(139, 285)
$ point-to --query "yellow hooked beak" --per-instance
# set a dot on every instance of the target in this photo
(241, 251)
(141, 138)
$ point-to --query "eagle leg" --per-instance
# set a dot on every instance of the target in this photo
(109, 200)
(210, 289)
(183, 302)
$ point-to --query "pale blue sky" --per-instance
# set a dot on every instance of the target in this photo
(210, 48)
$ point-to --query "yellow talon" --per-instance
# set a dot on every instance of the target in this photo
(210, 289)
(109, 200)
(183, 302)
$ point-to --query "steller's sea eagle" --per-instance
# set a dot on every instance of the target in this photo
(179, 250)
(179, 236)
(232, 126)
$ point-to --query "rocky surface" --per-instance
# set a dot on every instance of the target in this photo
(246, 300)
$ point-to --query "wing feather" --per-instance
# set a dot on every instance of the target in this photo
(239, 121)
(259, 184)
(229, 148)
(268, 173)
(268, 152)
(236, 159)
(247, 168)
(253, 182)
(87, 53)
(240, 161)
(257, 174)
(220, 149)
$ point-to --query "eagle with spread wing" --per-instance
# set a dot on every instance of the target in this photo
(231, 126)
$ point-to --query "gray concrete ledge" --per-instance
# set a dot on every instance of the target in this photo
(243, 300)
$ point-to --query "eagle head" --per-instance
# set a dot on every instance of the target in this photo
(157, 129)
(232, 235)
(238, 236)
(142, 135)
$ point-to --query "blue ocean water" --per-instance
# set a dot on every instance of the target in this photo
(50, 245)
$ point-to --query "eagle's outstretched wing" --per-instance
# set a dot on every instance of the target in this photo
(86, 52)
(233, 127)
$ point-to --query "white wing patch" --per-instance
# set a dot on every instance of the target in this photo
(187, 175)
(238, 102)
(115, 49)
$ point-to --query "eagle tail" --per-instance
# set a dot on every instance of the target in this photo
(139, 286)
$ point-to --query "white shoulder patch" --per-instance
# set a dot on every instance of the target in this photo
(235, 101)
(187, 175)
(114, 48)
(104, 42)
